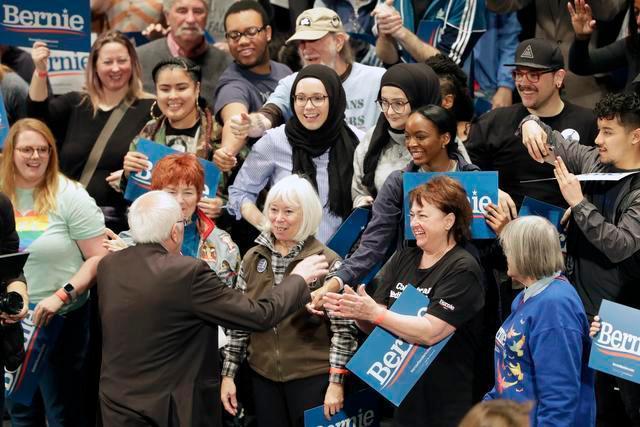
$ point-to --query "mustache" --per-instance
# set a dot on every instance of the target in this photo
(525, 87)
(190, 28)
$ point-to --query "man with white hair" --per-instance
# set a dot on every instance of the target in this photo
(187, 20)
(160, 313)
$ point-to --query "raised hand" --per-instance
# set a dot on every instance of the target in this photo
(581, 19)
(40, 55)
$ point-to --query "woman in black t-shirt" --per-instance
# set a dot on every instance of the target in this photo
(443, 270)
(181, 121)
(77, 119)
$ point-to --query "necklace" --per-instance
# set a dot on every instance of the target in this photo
(433, 259)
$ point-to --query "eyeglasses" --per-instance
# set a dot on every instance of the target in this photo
(249, 33)
(316, 100)
(397, 106)
(28, 151)
(532, 76)
(184, 222)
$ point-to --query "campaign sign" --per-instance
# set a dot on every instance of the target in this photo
(61, 24)
(531, 206)
(361, 409)
(348, 234)
(390, 365)
(4, 122)
(481, 188)
(39, 341)
(349, 231)
(553, 213)
(140, 182)
(616, 348)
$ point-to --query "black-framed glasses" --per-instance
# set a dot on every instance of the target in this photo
(316, 100)
(184, 222)
(28, 151)
(532, 76)
(397, 106)
(250, 33)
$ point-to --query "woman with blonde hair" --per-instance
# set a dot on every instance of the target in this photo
(62, 228)
(95, 127)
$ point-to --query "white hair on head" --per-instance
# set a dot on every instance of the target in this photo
(167, 4)
(532, 244)
(297, 191)
(152, 216)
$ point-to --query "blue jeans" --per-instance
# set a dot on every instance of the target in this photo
(59, 397)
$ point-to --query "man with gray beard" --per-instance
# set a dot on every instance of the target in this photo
(186, 20)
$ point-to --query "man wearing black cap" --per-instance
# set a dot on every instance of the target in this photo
(539, 74)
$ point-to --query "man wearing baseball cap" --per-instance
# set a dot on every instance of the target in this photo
(493, 145)
(321, 39)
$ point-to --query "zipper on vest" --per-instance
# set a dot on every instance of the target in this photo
(279, 368)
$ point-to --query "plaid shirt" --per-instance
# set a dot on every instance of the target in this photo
(343, 339)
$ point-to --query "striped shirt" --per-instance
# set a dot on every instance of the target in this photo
(268, 162)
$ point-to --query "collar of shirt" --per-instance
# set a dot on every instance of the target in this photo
(539, 286)
(176, 50)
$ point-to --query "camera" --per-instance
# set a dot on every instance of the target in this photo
(11, 302)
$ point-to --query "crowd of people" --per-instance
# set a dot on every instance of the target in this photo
(187, 308)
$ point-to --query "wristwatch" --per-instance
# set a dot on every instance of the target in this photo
(70, 290)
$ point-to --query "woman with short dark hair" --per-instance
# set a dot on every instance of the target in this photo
(451, 278)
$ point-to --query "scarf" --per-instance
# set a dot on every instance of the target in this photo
(334, 135)
(421, 87)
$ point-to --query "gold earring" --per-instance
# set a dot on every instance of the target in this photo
(151, 112)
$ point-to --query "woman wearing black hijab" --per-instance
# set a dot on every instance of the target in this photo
(315, 142)
(404, 87)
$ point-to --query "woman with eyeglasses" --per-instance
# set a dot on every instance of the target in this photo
(182, 176)
(300, 363)
(316, 142)
(90, 151)
(403, 88)
(181, 120)
(62, 228)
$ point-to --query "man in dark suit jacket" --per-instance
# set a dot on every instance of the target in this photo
(160, 311)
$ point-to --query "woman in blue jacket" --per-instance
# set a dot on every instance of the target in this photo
(542, 348)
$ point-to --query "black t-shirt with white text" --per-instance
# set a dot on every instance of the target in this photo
(456, 295)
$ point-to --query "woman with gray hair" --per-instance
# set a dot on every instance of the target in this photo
(542, 349)
(291, 363)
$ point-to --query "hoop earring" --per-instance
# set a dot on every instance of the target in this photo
(151, 112)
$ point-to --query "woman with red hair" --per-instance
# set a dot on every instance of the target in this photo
(182, 176)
